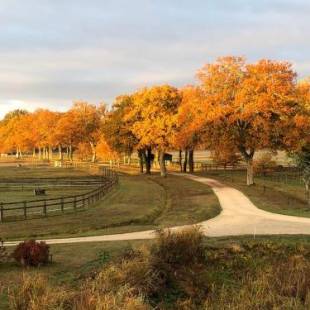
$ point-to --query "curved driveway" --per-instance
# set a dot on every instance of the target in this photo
(239, 216)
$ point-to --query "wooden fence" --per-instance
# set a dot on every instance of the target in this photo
(12, 211)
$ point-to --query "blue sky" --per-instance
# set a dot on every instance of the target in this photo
(53, 52)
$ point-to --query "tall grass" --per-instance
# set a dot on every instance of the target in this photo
(180, 271)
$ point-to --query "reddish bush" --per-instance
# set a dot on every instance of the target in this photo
(31, 253)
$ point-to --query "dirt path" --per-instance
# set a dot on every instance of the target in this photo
(239, 216)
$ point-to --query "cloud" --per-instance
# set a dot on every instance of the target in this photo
(53, 52)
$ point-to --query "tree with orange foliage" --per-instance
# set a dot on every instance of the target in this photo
(190, 125)
(44, 131)
(105, 152)
(252, 104)
(117, 130)
(155, 113)
(301, 142)
(88, 120)
(13, 132)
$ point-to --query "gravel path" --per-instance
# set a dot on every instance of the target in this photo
(239, 216)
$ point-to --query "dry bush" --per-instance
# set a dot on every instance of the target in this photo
(34, 293)
(183, 247)
(180, 258)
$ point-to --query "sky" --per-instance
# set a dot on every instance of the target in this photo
(54, 52)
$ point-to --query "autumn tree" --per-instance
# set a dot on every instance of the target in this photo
(67, 134)
(105, 152)
(300, 143)
(13, 131)
(190, 123)
(87, 120)
(44, 130)
(155, 113)
(251, 103)
(117, 129)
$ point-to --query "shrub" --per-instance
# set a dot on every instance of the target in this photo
(31, 253)
(183, 247)
(180, 258)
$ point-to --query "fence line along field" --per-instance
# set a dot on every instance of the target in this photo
(27, 192)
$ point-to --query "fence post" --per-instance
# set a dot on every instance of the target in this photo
(62, 204)
(1, 212)
(25, 209)
(44, 208)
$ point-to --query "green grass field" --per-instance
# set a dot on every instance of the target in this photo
(139, 202)
(268, 193)
(17, 183)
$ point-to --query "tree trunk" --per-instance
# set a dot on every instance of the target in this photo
(180, 160)
(70, 153)
(161, 157)
(94, 153)
(17, 153)
(248, 157)
(40, 153)
(34, 152)
(249, 172)
(307, 191)
(185, 160)
(191, 160)
(94, 158)
(60, 153)
(148, 160)
(50, 152)
(140, 155)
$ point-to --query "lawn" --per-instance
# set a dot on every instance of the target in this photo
(17, 183)
(139, 202)
(271, 193)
